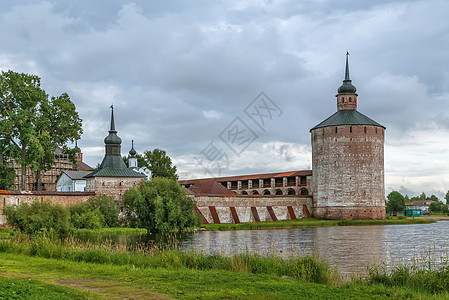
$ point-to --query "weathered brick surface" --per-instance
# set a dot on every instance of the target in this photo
(243, 206)
(348, 172)
(111, 186)
(65, 199)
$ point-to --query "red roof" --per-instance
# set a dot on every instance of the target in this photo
(83, 166)
(249, 177)
(210, 188)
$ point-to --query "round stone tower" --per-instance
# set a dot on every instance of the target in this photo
(348, 161)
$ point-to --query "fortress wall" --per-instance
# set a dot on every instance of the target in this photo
(243, 207)
(222, 204)
(18, 197)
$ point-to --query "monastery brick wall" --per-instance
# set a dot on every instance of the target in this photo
(18, 197)
(111, 186)
(244, 207)
(348, 172)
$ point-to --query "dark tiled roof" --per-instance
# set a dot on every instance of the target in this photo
(108, 172)
(249, 177)
(347, 117)
(210, 188)
(113, 166)
(76, 175)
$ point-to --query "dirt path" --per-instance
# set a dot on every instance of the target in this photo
(101, 288)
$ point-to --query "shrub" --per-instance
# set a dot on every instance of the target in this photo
(159, 205)
(38, 216)
(108, 207)
(97, 212)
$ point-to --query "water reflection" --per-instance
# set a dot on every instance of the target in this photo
(351, 248)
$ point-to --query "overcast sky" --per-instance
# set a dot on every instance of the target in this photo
(182, 75)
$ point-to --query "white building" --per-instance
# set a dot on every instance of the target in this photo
(71, 181)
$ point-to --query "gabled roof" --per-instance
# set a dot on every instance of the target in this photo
(347, 117)
(210, 188)
(83, 166)
(249, 177)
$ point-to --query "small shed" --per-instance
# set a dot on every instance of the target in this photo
(412, 211)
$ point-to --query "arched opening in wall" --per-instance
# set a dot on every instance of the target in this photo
(278, 192)
(244, 193)
(342, 99)
(291, 192)
(255, 192)
(304, 191)
(266, 192)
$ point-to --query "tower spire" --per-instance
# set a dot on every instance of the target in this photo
(112, 119)
(347, 97)
(347, 66)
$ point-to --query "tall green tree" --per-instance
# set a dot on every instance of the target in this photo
(34, 125)
(7, 173)
(160, 164)
(396, 202)
(159, 205)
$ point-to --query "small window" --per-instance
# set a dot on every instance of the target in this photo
(336, 129)
(342, 99)
(350, 99)
(376, 129)
(364, 129)
(350, 129)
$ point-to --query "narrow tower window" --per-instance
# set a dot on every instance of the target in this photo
(342, 99)
(364, 129)
(350, 99)
(336, 129)
(350, 129)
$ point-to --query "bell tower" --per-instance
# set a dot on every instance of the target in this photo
(346, 97)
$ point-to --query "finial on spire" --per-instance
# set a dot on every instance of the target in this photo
(347, 66)
(112, 118)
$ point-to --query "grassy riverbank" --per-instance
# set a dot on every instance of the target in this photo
(80, 270)
(312, 222)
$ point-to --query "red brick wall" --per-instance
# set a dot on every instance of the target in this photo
(62, 198)
(112, 186)
(348, 172)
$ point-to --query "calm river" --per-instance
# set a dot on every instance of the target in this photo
(351, 248)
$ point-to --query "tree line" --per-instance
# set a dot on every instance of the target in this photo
(396, 202)
(32, 126)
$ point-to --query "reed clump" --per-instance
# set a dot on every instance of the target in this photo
(423, 273)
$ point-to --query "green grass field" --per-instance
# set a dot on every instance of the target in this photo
(55, 269)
